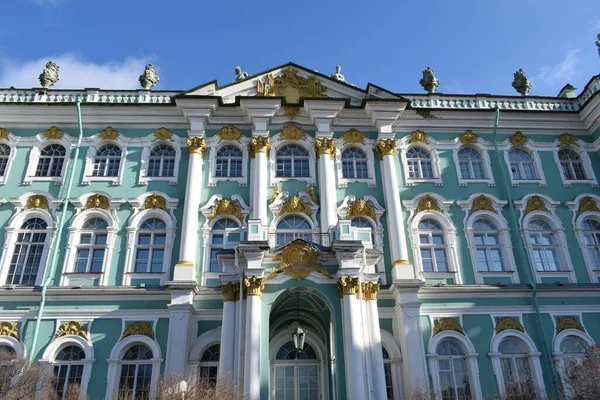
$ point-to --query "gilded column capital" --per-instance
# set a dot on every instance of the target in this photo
(386, 147)
(196, 145)
(259, 144)
(254, 286)
(325, 146)
(348, 285)
(370, 290)
(230, 291)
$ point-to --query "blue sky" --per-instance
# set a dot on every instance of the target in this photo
(473, 46)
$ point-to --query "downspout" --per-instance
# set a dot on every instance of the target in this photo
(519, 245)
(56, 241)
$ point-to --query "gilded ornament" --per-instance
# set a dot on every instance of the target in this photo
(518, 139)
(468, 137)
(37, 201)
(535, 203)
(97, 201)
(138, 328)
(568, 322)
(196, 145)
(509, 323)
(3, 133)
(361, 207)
(276, 192)
(325, 146)
(163, 134)
(428, 203)
(259, 144)
(108, 133)
(230, 132)
(418, 136)
(230, 291)
(447, 324)
(75, 328)
(588, 204)
(225, 207)
(53, 133)
(310, 189)
(291, 111)
(353, 136)
(348, 285)
(298, 259)
(10, 329)
(154, 201)
(292, 132)
(481, 202)
(566, 139)
(290, 85)
(295, 205)
(386, 147)
(369, 290)
(254, 286)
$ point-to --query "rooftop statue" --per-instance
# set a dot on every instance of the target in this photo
(240, 74)
(49, 75)
(429, 82)
(337, 75)
(149, 78)
(521, 83)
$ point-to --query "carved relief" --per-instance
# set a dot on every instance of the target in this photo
(588, 204)
(37, 201)
(325, 146)
(163, 134)
(298, 260)
(447, 324)
(481, 202)
(53, 133)
(518, 139)
(468, 137)
(386, 147)
(254, 286)
(418, 136)
(230, 132)
(568, 322)
(259, 144)
(535, 203)
(138, 328)
(290, 85)
(427, 203)
(154, 201)
(196, 145)
(3, 133)
(75, 328)
(10, 329)
(292, 132)
(361, 207)
(291, 111)
(353, 136)
(225, 207)
(97, 201)
(509, 323)
(566, 139)
(294, 204)
(108, 133)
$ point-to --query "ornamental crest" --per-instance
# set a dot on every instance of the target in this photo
(588, 204)
(291, 111)
(196, 145)
(418, 136)
(428, 203)
(138, 328)
(468, 137)
(325, 146)
(290, 85)
(10, 329)
(53, 133)
(361, 207)
(225, 207)
(509, 323)
(447, 324)
(298, 259)
(37, 201)
(481, 202)
(568, 322)
(353, 136)
(75, 328)
(518, 139)
(163, 134)
(108, 133)
(535, 203)
(292, 132)
(154, 201)
(566, 139)
(3, 133)
(230, 132)
(97, 201)
(295, 205)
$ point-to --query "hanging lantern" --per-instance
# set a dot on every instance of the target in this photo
(298, 335)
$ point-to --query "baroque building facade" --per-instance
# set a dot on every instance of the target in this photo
(305, 237)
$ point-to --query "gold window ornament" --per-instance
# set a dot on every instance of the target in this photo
(468, 137)
(108, 133)
(568, 322)
(10, 329)
(37, 201)
(482, 202)
(518, 139)
(3, 133)
(292, 132)
(139, 328)
(289, 85)
(535, 203)
(225, 206)
(97, 201)
(53, 133)
(428, 203)
(567, 139)
(294, 204)
(230, 132)
(353, 136)
(509, 323)
(447, 324)
(298, 260)
(588, 204)
(418, 136)
(154, 201)
(74, 328)
(361, 207)
(163, 134)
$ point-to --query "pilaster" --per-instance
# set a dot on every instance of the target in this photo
(369, 295)
(231, 293)
(180, 317)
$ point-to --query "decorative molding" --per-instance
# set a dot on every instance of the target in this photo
(230, 291)
(386, 147)
(154, 201)
(518, 139)
(353, 136)
(509, 323)
(3, 133)
(230, 132)
(53, 133)
(75, 328)
(138, 328)
(259, 144)
(163, 134)
(418, 136)
(427, 203)
(370, 290)
(292, 132)
(447, 324)
(97, 201)
(587, 204)
(468, 137)
(535, 203)
(254, 286)
(196, 145)
(482, 202)
(10, 329)
(567, 139)
(291, 86)
(325, 146)
(348, 285)
(298, 259)
(276, 192)
(568, 322)
(361, 207)
(225, 206)
(295, 204)
(310, 190)
(37, 201)
(108, 133)
(291, 111)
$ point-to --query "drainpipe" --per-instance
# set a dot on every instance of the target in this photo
(56, 241)
(519, 245)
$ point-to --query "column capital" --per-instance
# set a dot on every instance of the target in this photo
(254, 286)
(325, 146)
(386, 147)
(230, 291)
(370, 290)
(348, 285)
(196, 145)
(259, 144)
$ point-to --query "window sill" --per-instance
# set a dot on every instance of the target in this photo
(241, 180)
(144, 274)
(83, 274)
(171, 180)
(430, 274)
(114, 180)
(58, 180)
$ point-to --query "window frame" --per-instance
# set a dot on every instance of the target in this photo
(586, 163)
(578, 220)
(208, 245)
(559, 356)
(215, 144)
(308, 145)
(367, 148)
(40, 143)
(95, 145)
(537, 163)
(435, 165)
(150, 143)
(11, 142)
(485, 161)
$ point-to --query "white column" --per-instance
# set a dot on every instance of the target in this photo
(259, 148)
(254, 287)
(180, 317)
(325, 149)
(353, 339)
(185, 269)
(376, 374)
(230, 293)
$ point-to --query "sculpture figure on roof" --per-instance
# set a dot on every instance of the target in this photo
(521, 83)
(149, 78)
(49, 75)
(429, 82)
(240, 74)
(337, 75)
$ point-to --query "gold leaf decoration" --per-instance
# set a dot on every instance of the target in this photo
(225, 207)
(97, 201)
(259, 144)
(468, 137)
(108, 133)
(292, 132)
(139, 328)
(154, 201)
(230, 132)
(10, 329)
(291, 111)
(290, 85)
(163, 134)
(385, 147)
(230, 291)
(568, 322)
(361, 207)
(588, 204)
(75, 328)
(298, 260)
(310, 189)
(418, 136)
(196, 145)
(325, 146)
(253, 286)
(3, 133)
(295, 205)
(482, 202)
(509, 323)
(535, 203)
(428, 203)
(518, 139)
(353, 136)
(276, 191)
(37, 201)
(370, 290)
(566, 139)
(53, 133)
(348, 285)
(447, 324)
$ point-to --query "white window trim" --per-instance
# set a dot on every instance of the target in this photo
(389, 343)
(200, 345)
(435, 163)
(533, 356)
(11, 141)
(95, 144)
(214, 144)
(537, 162)
(116, 361)
(308, 143)
(559, 356)
(368, 149)
(68, 142)
(15, 344)
(148, 143)
(587, 165)
(470, 356)
(485, 160)
(576, 221)
(276, 205)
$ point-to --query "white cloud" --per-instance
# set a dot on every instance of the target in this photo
(454, 87)
(561, 73)
(75, 72)
(48, 3)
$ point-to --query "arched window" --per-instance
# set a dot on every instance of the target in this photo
(292, 162)
(68, 370)
(354, 164)
(150, 247)
(92, 246)
(591, 237)
(296, 372)
(209, 364)
(4, 157)
(224, 232)
(288, 352)
(293, 227)
(573, 349)
(522, 165)
(572, 165)
(27, 255)
(387, 369)
(419, 163)
(432, 246)
(542, 243)
(365, 229)
(229, 162)
(51, 160)
(161, 162)
(488, 247)
(470, 163)
(136, 373)
(453, 372)
(516, 367)
(107, 161)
